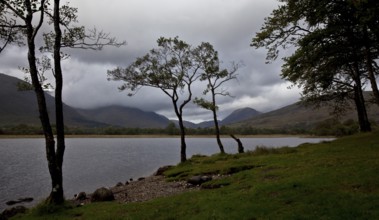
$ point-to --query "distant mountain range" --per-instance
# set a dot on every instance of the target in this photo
(300, 116)
(20, 107)
(235, 117)
(125, 117)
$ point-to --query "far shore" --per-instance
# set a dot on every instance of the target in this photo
(166, 136)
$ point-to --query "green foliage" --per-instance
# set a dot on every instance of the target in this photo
(171, 129)
(205, 104)
(336, 48)
(168, 67)
(336, 128)
(22, 129)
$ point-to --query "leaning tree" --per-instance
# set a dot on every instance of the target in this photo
(172, 69)
(23, 19)
(215, 77)
(333, 58)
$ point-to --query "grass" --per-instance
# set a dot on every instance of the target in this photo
(331, 180)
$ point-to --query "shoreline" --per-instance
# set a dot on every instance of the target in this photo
(164, 136)
(141, 190)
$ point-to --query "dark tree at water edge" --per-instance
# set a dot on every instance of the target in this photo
(26, 12)
(336, 49)
(172, 68)
(215, 78)
(27, 17)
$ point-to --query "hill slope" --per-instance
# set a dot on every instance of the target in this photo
(298, 115)
(20, 107)
(125, 117)
(240, 115)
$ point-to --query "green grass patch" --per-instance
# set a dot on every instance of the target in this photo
(331, 180)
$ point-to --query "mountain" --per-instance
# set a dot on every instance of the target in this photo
(206, 124)
(20, 107)
(300, 116)
(125, 117)
(240, 115)
(236, 116)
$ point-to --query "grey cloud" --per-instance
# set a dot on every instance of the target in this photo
(228, 25)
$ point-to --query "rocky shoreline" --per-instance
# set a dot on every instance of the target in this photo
(141, 190)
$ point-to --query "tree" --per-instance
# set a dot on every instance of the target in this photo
(215, 78)
(331, 59)
(9, 29)
(170, 68)
(367, 15)
(25, 12)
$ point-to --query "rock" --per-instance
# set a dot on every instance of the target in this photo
(12, 202)
(198, 180)
(161, 170)
(102, 194)
(81, 196)
(20, 200)
(141, 178)
(119, 184)
(8, 213)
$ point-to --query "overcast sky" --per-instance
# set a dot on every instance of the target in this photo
(229, 25)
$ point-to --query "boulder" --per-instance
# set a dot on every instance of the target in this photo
(8, 213)
(20, 200)
(102, 194)
(81, 196)
(119, 184)
(161, 170)
(198, 180)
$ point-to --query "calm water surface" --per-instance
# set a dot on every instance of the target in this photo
(90, 163)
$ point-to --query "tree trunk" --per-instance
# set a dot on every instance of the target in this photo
(364, 123)
(217, 128)
(42, 107)
(359, 100)
(183, 146)
(57, 194)
(240, 145)
(371, 75)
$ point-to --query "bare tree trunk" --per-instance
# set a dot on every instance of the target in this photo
(57, 194)
(217, 128)
(183, 146)
(371, 76)
(55, 173)
(359, 100)
(240, 145)
(364, 123)
(369, 66)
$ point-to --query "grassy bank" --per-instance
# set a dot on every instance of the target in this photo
(334, 180)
